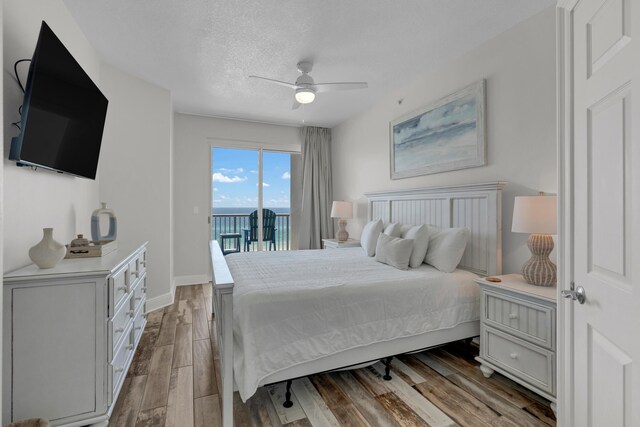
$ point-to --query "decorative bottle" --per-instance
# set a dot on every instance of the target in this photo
(48, 252)
(96, 234)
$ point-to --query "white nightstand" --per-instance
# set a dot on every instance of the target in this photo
(518, 333)
(334, 244)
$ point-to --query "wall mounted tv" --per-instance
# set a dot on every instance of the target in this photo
(63, 113)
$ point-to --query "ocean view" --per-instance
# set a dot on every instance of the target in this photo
(245, 211)
(235, 193)
(236, 220)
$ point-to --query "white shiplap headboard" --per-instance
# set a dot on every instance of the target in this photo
(477, 207)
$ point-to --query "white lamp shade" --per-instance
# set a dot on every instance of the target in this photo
(535, 215)
(341, 209)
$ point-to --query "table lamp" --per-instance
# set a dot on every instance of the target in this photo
(536, 215)
(343, 211)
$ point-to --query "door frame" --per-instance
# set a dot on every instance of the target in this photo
(243, 144)
(564, 102)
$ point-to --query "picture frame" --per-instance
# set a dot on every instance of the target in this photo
(446, 135)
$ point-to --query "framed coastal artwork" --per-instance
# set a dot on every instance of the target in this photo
(444, 136)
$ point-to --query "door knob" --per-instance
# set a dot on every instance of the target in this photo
(576, 295)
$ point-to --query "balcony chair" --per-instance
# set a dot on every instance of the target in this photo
(268, 229)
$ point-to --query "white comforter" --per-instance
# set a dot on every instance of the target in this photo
(299, 306)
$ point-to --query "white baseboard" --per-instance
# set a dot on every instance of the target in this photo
(167, 299)
(191, 280)
(160, 301)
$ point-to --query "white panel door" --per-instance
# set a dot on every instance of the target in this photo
(606, 213)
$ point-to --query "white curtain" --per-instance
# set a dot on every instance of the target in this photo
(317, 191)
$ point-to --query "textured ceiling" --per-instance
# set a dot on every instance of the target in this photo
(203, 50)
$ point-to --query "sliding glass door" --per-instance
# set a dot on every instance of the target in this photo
(251, 199)
(276, 194)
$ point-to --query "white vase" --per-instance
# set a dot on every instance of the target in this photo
(48, 252)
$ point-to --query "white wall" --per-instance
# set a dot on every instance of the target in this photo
(193, 137)
(34, 200)
(135, 171)
(519, 66)
(1, 193)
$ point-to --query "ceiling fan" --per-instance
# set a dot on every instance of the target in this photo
(306, 89)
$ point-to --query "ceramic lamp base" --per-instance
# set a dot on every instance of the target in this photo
(342, 235)
(539, 270)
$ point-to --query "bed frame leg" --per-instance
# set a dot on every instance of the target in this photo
(387, 368)
(288, 403)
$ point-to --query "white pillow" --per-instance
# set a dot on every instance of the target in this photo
(420, 236)
(404, 228)
(446, 247)
(393, 229)
(394, 251)
(369, 237)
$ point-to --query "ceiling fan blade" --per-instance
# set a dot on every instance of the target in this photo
(289, 85)
(296, 104)
(325, 87)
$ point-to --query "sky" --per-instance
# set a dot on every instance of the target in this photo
(234, 177)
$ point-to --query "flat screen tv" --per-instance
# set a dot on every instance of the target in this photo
(63, 113)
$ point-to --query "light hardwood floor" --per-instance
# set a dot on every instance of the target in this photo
(173, 382)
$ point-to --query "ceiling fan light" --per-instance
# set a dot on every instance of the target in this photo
(305, 95)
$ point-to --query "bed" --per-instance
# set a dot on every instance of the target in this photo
(284, 315)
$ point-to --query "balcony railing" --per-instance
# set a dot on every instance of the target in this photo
(237, 223)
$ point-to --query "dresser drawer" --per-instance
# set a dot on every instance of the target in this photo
(118, 288)
(119, 365)
(134, 271)
(118, 326)
(137, 267)
(527, 320)
(139, 293)
(142, 262)
(139, 322)
(528, 362)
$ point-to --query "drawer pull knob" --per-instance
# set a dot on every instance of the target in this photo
(513, 355)
(122, 288)
(119, 330)
(130, 347)
(119, 370)
(513, 316)
(135, 273)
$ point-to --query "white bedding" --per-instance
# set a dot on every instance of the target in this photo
(299, 306)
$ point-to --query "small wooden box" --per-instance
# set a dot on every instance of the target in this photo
(95, 249)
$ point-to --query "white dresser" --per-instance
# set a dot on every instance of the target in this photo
(70, 334)
(518, 333)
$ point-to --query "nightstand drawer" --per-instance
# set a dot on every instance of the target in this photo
(527, 320)
(528, 362)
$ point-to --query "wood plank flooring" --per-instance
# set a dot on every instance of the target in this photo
(173, 381)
